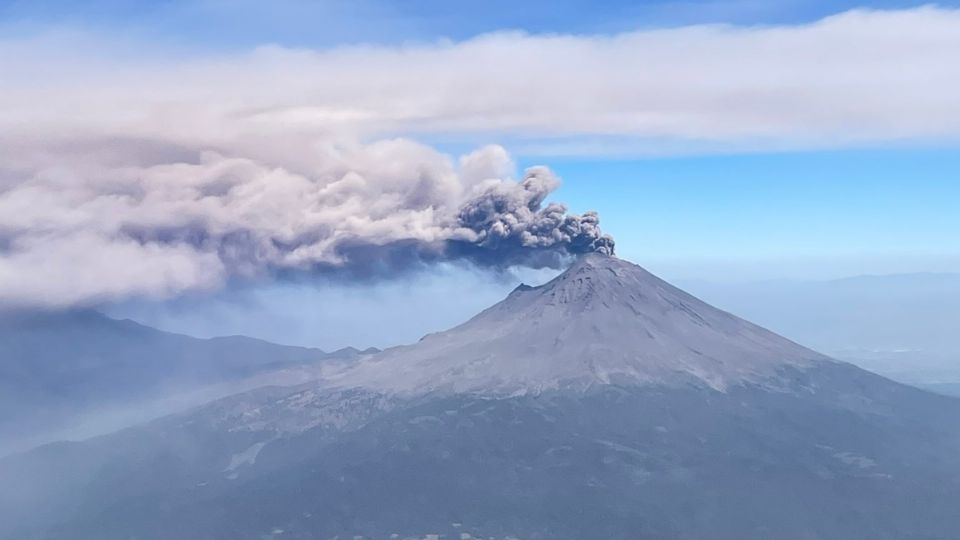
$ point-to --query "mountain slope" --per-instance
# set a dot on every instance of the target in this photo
(605, 404)
(603, 320)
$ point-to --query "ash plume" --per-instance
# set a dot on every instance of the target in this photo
(513, 226)
(99, 231)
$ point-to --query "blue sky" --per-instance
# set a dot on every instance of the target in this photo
(802, 205)
(815, 215)
(215, 24)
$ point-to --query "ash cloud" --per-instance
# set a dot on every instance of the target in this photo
(82, 232)
(512, 225)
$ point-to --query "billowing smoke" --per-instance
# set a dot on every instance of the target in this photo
(513, 226)
(159, 223)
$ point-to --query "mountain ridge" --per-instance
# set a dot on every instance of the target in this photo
(62, 369)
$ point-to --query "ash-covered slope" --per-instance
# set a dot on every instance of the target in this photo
(603, 321)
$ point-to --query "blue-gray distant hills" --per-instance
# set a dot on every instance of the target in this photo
(605, 404)
(58, 368)
(903, 326)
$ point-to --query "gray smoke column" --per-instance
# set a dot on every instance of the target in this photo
(153, 222)
(513, 226)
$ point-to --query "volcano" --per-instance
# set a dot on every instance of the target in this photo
(604, 321)
(605, 404)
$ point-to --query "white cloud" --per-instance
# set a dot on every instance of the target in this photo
(861, 76)
(124, 178)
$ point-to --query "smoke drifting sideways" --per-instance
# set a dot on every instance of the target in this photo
(96, 231)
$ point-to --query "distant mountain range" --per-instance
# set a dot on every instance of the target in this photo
(603, 404)
(902, 326)
(58, 368)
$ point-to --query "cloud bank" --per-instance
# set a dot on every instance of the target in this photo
(857, 77)
(128, 172)
(73, 236)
